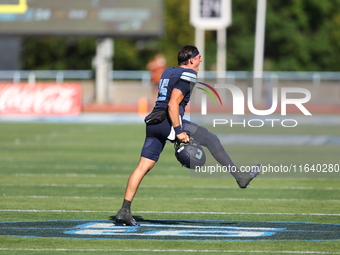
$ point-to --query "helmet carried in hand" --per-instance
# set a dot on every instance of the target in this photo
(190, 155)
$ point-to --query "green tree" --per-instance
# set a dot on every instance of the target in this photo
(53, 53)
(298, 35)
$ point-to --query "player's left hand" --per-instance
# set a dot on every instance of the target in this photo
(183, 137)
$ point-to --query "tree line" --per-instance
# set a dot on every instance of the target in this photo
(301, 35)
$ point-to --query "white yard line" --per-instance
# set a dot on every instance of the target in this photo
(191, 198)
(92, 175)
(162, 186)
(170, 250)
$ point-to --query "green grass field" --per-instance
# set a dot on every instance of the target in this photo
(52, 171)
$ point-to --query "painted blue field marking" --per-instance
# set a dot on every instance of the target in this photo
(110, 225)
(174, 230)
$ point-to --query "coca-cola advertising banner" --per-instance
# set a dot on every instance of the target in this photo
(40, 99)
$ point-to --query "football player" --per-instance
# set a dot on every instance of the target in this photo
(166, 123)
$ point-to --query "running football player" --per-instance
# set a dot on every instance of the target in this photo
(166, 123)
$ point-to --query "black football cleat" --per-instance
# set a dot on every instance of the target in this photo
(124, 216)
(245, 180)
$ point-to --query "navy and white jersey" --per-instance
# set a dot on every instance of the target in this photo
(175, 77)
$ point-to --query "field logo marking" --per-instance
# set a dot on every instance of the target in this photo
(152, 230)
(174, 230)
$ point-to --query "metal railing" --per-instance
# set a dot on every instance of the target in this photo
(144, 76)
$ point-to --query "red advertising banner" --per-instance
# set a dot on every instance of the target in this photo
(40, 99)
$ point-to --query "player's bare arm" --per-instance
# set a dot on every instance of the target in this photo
(173, 110)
